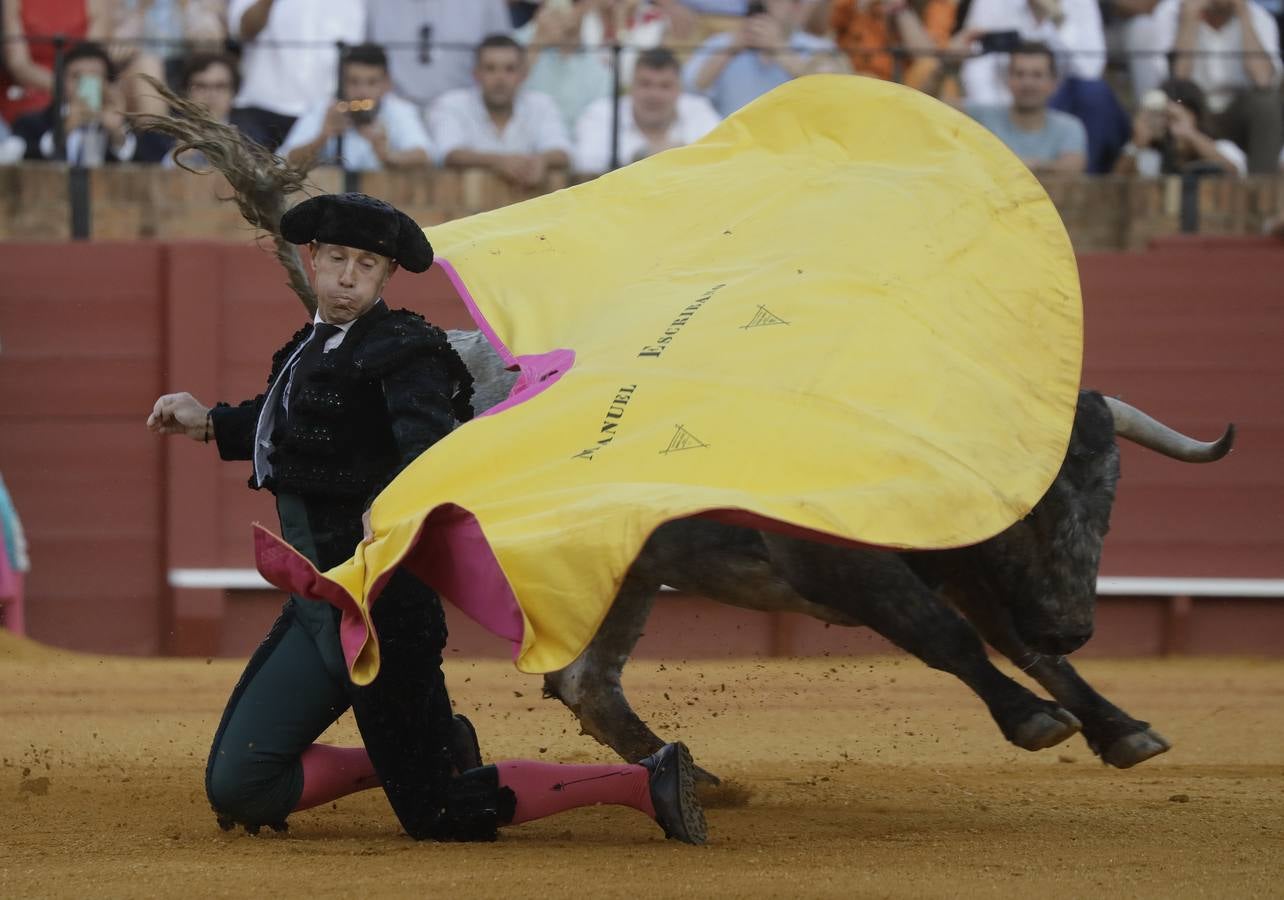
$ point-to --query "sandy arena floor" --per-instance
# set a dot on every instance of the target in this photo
(871, 778)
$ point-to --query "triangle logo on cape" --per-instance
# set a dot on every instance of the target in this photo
(683, 440)
(764, 317)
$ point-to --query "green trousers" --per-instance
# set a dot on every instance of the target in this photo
(296, 684)
(293, 688)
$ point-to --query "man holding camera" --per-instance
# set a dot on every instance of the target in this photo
(368, 128)
(1231, 50)
(1170, 136)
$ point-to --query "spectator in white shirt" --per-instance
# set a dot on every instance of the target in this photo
(516, 133)
(1140, 33)
(290, 54)
(1231, 49)
(369, 128)
(1073, 30)
(655, 116)
(431, 42)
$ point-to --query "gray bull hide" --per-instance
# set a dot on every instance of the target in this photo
(1029, 592)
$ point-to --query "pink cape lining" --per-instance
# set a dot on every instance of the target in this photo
(537, 372)
(456, 560)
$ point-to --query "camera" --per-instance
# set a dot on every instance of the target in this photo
(755, 8)
(1154, 106)
(1000, 41)
(362, 112)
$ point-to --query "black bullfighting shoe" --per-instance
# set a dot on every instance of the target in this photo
(464, 749)
(677, 809)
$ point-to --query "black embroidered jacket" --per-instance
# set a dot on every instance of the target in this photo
(390, 390)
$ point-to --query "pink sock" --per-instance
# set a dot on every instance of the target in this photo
(333, 772)
(544, 789)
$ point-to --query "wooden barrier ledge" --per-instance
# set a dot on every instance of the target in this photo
(146, 202)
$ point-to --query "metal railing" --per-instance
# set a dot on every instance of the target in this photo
(79, 176)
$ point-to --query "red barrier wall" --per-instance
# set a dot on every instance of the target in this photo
(1192, 331)
(92, 333)
(83, 348)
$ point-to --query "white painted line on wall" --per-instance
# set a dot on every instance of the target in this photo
(219, 579)
(1110, 585)
(1113, 585)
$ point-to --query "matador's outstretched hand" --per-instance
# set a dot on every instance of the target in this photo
(180, 414)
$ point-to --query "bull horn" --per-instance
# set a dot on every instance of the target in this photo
(1136, 426)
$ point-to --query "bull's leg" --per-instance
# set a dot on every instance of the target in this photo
(1116, 737)
(881, 591)
(590, 687)
(1119, 739)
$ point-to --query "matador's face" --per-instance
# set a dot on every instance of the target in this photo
(347, 280)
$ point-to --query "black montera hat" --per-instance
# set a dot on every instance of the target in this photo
(361, 221)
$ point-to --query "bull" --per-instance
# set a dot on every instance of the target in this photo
(1029, 592)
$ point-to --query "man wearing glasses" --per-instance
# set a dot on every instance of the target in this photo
(210, 80)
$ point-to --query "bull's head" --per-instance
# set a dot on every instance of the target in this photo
(1043, 569)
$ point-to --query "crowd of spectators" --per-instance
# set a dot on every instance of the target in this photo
(1143, 87)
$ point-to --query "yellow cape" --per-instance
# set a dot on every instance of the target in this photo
(849, 309)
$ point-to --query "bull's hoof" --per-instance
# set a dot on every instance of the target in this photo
(1135, 748)
(1046, 729)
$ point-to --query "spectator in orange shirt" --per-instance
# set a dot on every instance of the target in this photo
(869, 29)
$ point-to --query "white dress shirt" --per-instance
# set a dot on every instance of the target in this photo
(295, 58)
(459, 120)
(1219, 69)
(80, 140)
(400, 119)
(279, 391)
(430, 43)
(695, 118)
(1079, 44)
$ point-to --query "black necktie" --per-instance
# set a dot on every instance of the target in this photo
(309, 359)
